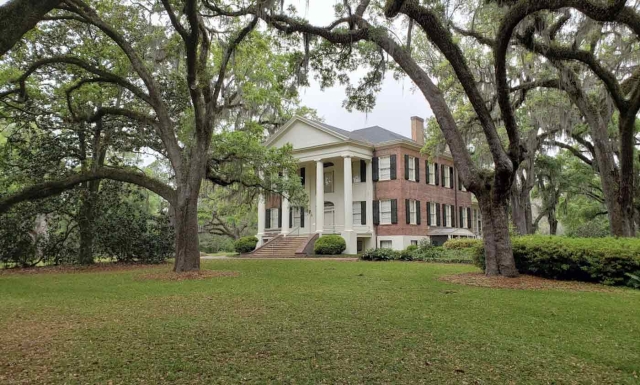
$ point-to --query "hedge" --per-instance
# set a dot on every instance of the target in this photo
(609, 261)
(245, 244)
(462, 243)
(380, 255)
(330, 245)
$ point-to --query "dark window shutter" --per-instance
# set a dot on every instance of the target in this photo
(363, 213)
(376, 212)
(442, 171)
(303, 176)
(375, 169)
(469, 217)
(290, 217)
(459, 183)
(406, 167)
(444, 215)
(363, 171)
(417, 160)
(429, 214)
(394, 167)
(407, 211)
(394, 211)
(451, 177)
(418, 212)
(437, 174)
(267, 219)
(426, 167)
(301, 216)
(461, 219)
(437, 214)
(280, 217)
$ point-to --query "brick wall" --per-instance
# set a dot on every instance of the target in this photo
(402, 189)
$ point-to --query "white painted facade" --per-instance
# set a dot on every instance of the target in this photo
(326, 154)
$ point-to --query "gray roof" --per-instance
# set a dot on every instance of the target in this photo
(373, 135)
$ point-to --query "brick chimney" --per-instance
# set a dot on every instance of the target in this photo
(417, 130)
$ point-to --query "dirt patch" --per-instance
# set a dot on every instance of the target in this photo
(523, 282)
(191, 275)
(66, 269)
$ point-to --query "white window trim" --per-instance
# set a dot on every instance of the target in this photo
(447, 214)
(386, 241)
(384, 168)
(432, 174)
(434, 214)
(355, 167)
(413, 217)
(357, 213)
(274, 218)
(447, 177)
(412, 168)
(333, 182)
(296, 216)
(383, 211)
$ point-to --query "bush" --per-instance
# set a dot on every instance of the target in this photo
(212, 244)
(380, 255)
(462, 243)
(330, 245)
(245, 244)
(604, 260)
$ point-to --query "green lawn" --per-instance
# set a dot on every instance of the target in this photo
(305, 321)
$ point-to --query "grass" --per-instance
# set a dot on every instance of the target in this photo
(306, 321)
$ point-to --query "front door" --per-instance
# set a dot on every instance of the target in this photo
(329, 216)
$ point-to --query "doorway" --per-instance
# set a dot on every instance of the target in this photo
(329, 216)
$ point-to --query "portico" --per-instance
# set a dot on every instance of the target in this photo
(337, 176)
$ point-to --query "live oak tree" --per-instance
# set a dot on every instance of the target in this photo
(179, 76)
(595, 56)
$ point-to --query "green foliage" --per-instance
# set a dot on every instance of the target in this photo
(462, 243)
(330, 245)
(124, 230)
(212, 244)
(604, 260)
(380, 255)
(597, 228)
(245, 244)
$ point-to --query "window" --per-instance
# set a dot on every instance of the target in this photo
(414, 242)
(355, 171)
(384, 166)
(296, 216)
(432, 175)
(274, 218)
(385, 212)
(447, 215)
(328, 181)
(412, 168)
(463, 219)
(412, 212)
(433, 211)
(386, 244)
(447, 176)
(357, 213)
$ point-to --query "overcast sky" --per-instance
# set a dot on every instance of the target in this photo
(396, 103)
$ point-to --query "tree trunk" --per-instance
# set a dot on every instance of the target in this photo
(86, 221)
(521, 214)
(553, 222)
(497, 242)
(186, 226)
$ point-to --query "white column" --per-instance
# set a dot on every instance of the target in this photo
(261, 219)
(319, 196)
(350, 237)
(369, 195)
(348, 194)
(285, 216)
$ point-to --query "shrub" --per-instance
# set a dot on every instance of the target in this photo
(604, 260)
(330, 245)
(380, 255)
(212, 244)
(462, 243)
(245, 244)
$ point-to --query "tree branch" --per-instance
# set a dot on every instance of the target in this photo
(47, 189)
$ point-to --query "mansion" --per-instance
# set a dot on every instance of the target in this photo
(371, 186)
